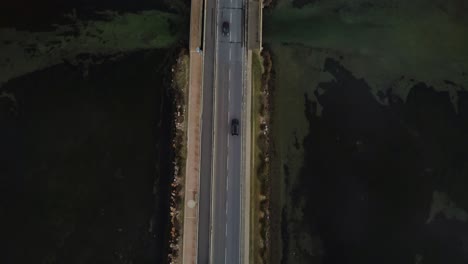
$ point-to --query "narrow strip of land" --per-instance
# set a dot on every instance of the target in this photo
(216, 226)
(192, 173)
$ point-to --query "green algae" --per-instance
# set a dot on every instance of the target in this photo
(23, 52)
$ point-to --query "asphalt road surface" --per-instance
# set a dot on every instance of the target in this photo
(226, 200)
(220, 176)
(204, 197)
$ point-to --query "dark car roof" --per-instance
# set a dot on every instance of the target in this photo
(235, 126)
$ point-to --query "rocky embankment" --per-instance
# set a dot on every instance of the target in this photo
(179, 90)
(264, 154)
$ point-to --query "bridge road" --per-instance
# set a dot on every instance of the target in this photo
(226, 200)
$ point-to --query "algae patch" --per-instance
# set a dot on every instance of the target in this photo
(23, 52)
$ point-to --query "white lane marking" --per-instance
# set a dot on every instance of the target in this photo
(230, 55)
(225, 254)
(227, 146)
(229, 91)
(227, 204)
(230, 22)
(227, 166)
(229, 75)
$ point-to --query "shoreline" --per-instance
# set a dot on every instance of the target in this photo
(179, 90)
(262, 187)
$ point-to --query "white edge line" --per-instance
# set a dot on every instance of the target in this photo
(213, 151)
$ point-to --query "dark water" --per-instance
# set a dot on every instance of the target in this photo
(370, 171)
(41, 15)
(85, 156)
(79, 160)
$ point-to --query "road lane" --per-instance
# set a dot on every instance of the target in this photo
(219, 237)
(234, 158)
(219, 208)
(206, 158)
(227, 159)
(220, 159)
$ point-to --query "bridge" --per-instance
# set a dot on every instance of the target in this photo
(217, 186)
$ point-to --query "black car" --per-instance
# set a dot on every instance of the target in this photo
(235, 127)
(225, 28)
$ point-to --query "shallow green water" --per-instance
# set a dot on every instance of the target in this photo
(85, 127)
(362, 143)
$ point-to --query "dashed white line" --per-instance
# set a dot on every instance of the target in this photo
(227, 205)
(227, 166)
(229, 75)
(227, 171)
(230, 22)
(225, 254)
